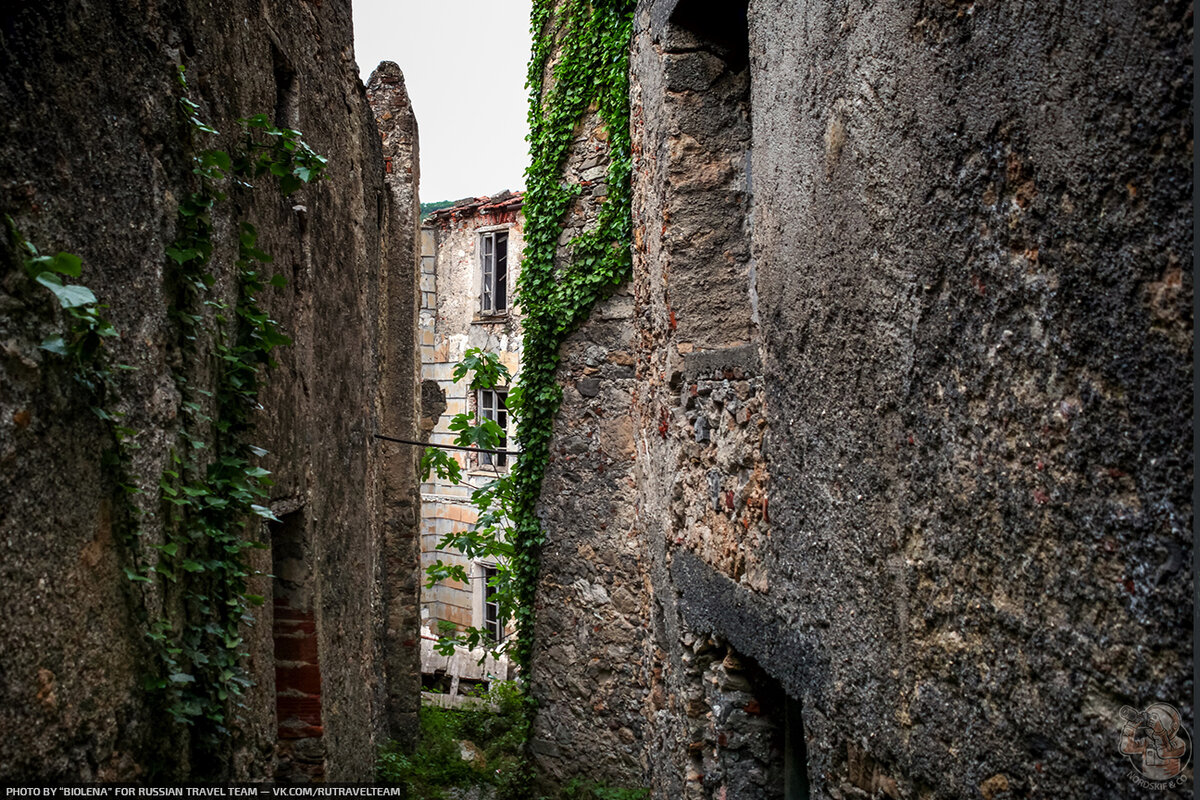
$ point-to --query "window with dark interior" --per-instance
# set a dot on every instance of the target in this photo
(493, 246)
(491, 609)
(493, 406)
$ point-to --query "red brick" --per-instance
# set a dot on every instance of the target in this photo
(306, 679)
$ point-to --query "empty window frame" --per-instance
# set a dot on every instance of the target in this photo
(493, 405)
(491, 609)
(493, 246)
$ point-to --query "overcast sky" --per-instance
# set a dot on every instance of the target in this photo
(464, 65)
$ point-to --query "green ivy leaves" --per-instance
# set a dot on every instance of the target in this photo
(86, 326)
(488, 538)
(590, 42)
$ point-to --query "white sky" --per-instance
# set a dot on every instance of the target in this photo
(464, 64)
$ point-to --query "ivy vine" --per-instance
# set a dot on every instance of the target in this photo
(214, 492)
(590, 43)
(196, 596)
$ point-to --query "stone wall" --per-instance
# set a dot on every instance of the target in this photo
(396, 488)
(94, 161)
(909, 501)
(969, 230)
(591, 635)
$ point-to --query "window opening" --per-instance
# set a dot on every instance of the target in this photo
(491, 609)
(494, 246)
(493, 405)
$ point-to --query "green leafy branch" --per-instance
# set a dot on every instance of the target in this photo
(489, 538)
(86, 327)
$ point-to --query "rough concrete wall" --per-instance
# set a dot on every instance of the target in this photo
(972, 225)
(452, 323)
(94, 161)
(396, 488)
(967, 368)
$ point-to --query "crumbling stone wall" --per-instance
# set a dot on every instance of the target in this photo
(395, 487)
(94, 160)
(591, 642)
(912, 338)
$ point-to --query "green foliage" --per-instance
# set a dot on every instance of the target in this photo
(488, 539)
(429, 208)
(213, 493)
(591, 790)
(498, 729)
(591, 71)
(86, 328)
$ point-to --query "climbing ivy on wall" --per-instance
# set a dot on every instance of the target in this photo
(585, 47)
(195, 580)
(213, 491)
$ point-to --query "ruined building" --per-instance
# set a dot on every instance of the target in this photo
(471, 255)
(893, 419)
(470, 262)
(98, 159)
(873, 481)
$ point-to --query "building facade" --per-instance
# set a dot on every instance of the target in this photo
(470, 260)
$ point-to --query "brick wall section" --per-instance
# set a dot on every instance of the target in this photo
(300, 754)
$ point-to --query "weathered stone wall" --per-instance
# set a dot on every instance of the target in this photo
(911, 493)
(969, 224)
(94, 160)
(590, 635)
(396, 489)
(702, 480)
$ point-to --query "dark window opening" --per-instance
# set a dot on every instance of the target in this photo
(491, 609)
(721, 24)
(494, 246)
(493, 405)
(795, 753)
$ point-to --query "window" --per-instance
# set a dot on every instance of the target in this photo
(494, 247)
(493, 406)
(491, 609)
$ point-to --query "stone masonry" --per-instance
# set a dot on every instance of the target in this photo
(899, 501)
(396, 491)
(94, 160)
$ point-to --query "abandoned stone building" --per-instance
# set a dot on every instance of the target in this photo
(99, 159)
(470, 262)
(894, 494)
(874, 480)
